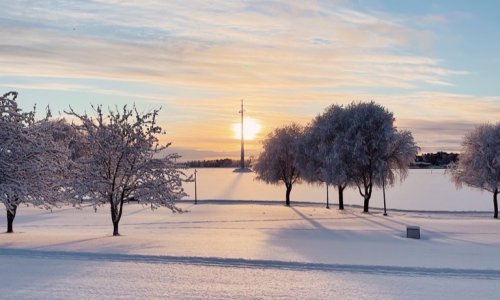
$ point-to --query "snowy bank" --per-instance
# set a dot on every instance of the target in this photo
(264, 239)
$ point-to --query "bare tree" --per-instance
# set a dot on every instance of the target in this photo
(479, 161)
(119, 163)
(375, 151)
(31, 162)
(275, 163)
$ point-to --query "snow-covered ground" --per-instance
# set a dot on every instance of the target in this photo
(424, 189)
(246, 250)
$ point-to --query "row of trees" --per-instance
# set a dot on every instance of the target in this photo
(109, 158)
(217, 163)
(353, 146)
(438, 159)
(358, 146)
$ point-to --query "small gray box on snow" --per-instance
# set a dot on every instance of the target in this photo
(413, 232)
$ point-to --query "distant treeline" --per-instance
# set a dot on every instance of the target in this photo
(437, 159)
(217, 163)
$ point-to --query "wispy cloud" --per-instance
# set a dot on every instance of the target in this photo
(435, 19)
(207, 44)
(47, 86)
(289, 59)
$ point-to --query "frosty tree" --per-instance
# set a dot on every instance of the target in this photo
(66, 134)
(32, 163)
(119, 163)
(306, 158)
(479, 161)
(320, 155)
(275, 163)
(373, 149)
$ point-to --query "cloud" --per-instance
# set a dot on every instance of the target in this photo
(207, 45)
(435, 19)
(438, 121)
(437, 135)
(288, 59)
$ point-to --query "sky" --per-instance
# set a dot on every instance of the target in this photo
(434, 64)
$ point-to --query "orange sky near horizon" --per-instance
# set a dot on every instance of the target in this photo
(289, 59)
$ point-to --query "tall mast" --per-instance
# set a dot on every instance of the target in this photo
(242, 164)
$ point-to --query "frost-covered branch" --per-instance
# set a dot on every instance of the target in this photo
(32, 161)
(119, 165)
(479, 161)
(276, 162)
(359, 145)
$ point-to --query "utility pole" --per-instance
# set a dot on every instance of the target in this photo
(195, 194)
(327, 200)
(383, 191)
(242, 165)
(242, 168)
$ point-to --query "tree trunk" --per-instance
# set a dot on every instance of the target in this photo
(495, 204)
(116, 213)
(10, 218)
(115, 229)
(341, 196)
(366, 202)
(288, 191)
(367, 196)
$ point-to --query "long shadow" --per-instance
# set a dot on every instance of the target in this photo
(368, 221)
(71, 242)
(428, 232)
(114, 243)
(390, 219)
(311, 221)
(232, 185)
(402, 229)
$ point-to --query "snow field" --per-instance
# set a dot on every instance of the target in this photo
(424, 189)
(249, 251)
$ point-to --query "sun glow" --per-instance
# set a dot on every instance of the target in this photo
(251, 129)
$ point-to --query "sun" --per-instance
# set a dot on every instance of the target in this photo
(251, 129)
